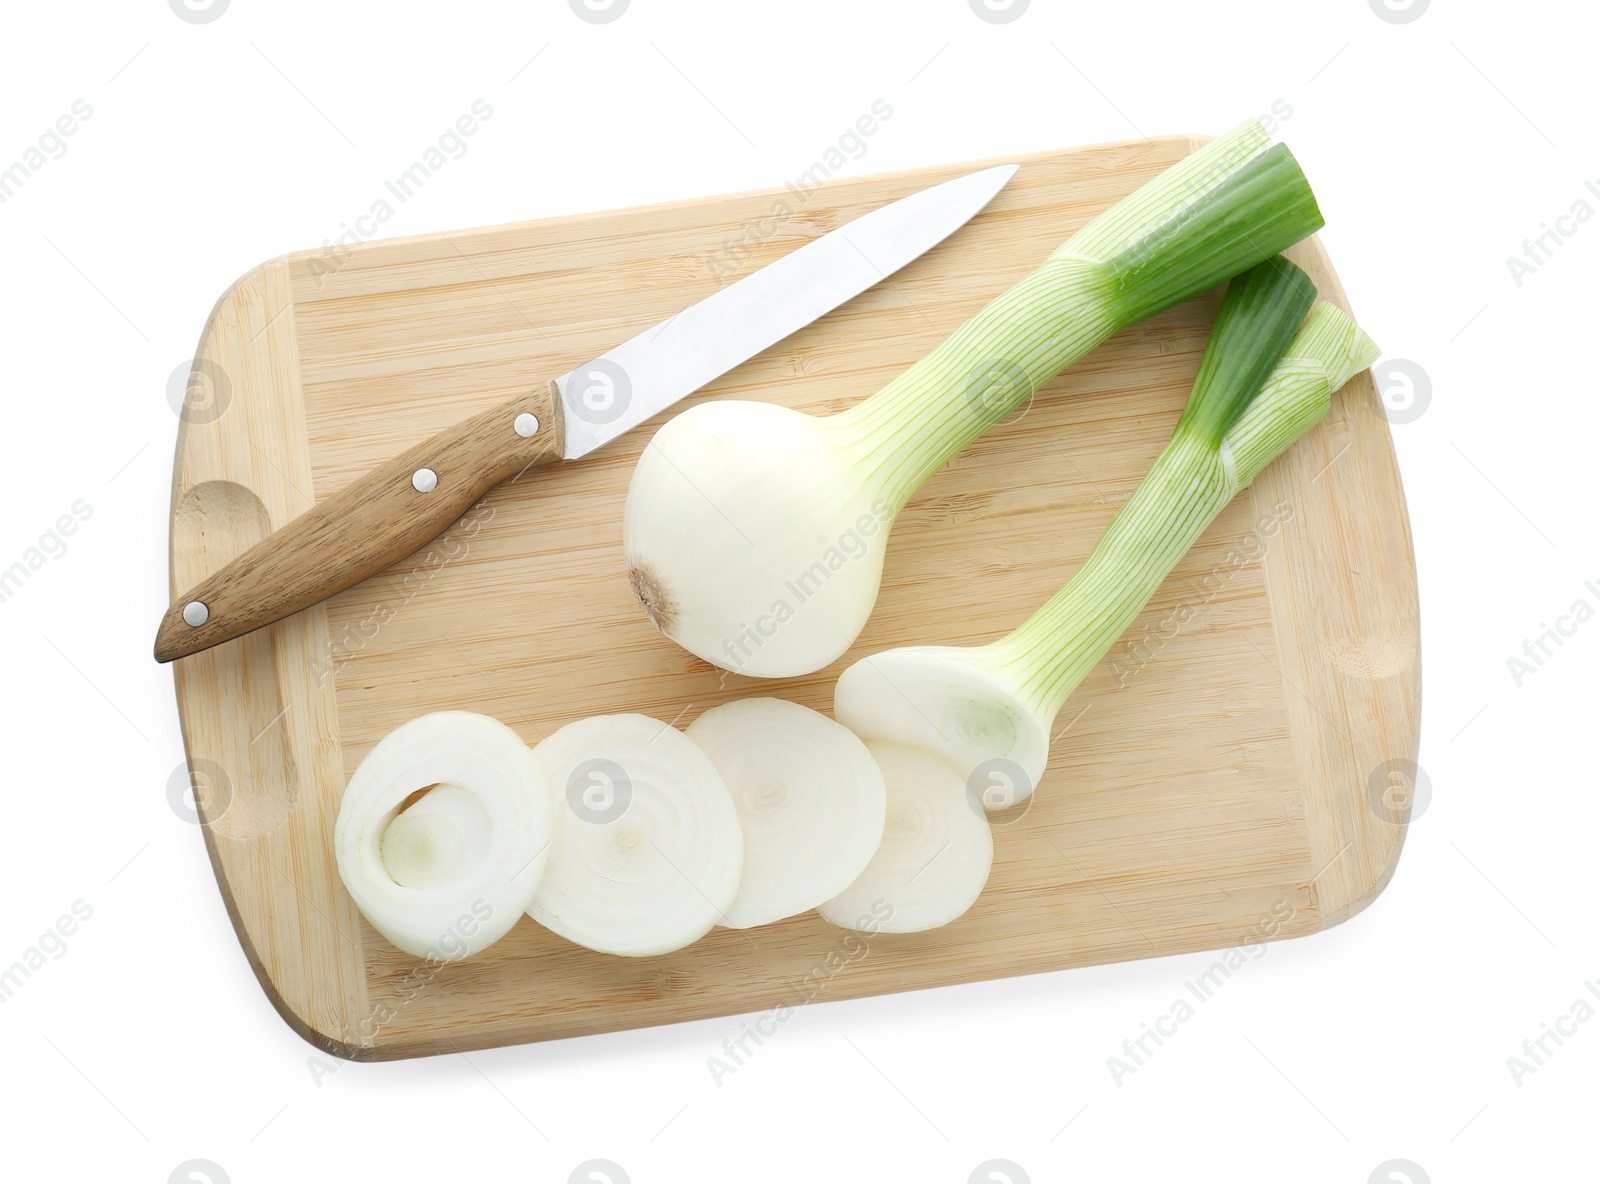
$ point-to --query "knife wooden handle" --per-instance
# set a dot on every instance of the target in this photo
(381, 516)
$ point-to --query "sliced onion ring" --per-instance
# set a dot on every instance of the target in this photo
(810, 800)
(445, 875)
(648, 848)
(936, 852)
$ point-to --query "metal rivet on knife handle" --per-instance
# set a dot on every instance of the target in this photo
(526, 424)
(424, 480)
(195, 613)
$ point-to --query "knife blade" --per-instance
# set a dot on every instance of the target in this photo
(396, 508)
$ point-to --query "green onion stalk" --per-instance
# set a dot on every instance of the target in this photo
(1265, 379)
(755, 534)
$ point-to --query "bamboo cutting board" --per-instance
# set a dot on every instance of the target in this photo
(1222, 778)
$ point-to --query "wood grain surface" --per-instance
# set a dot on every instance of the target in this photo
(1222, 777)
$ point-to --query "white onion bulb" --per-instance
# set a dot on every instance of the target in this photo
(648, 848)
(719, 559)
(453, 871)
(810, 800)
(960, 703)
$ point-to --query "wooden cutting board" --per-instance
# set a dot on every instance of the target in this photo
(1220, 779)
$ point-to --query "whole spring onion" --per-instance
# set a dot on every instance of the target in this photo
(935, 855)
(810, 800)
(992, 706)
(443, 833)
(755, 535)
(648, 848)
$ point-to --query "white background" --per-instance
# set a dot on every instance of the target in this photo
(1436, 147)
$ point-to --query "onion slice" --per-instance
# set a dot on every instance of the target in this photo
(810, 800)
(648, 848)
(936, 850)
(447, 874)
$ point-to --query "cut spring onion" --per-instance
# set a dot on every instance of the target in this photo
(810, 800)
(443, 833)
(993, 705)
(648, 848)
(755, 535)
(935, 855)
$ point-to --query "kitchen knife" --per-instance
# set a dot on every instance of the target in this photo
(394, 509)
